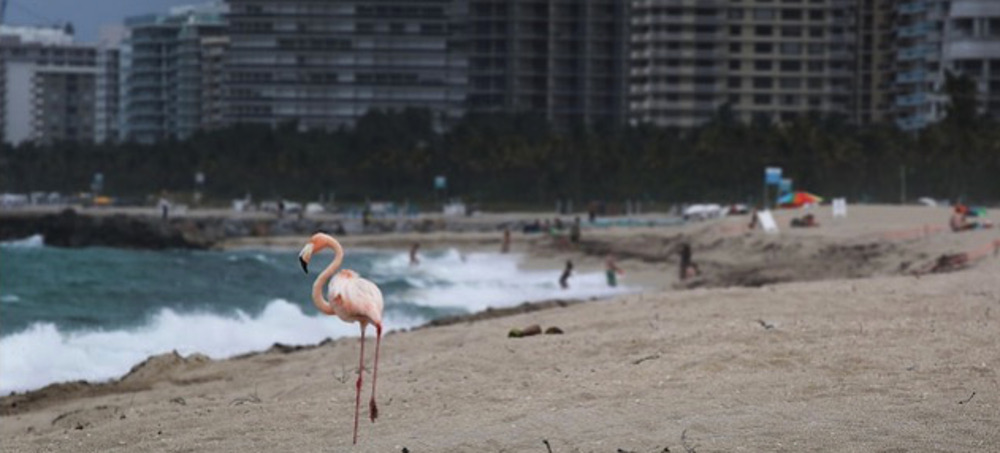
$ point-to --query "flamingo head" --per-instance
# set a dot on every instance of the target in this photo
(317, 242)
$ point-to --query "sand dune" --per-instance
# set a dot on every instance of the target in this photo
(806, 356)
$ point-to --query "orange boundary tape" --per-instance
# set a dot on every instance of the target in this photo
(912, 233)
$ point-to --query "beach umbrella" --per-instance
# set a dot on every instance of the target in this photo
(798, 198)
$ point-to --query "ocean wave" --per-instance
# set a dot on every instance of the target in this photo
(35, 240)
(444, 283)
(43, 354)
(476, 281)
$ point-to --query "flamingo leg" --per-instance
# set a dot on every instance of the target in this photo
(357, 394)
(372, 407)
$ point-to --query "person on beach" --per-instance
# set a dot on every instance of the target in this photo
(686, 263)
(413, 254)
(960, 220)
(564, 279)
(753, 220)
(807, 221)
(612, 271)
(505, 247)
(164, 207)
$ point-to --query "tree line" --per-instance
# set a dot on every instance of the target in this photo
(500, 158)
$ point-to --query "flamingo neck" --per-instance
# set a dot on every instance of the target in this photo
(317, 292)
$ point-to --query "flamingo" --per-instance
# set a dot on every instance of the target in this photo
(352, 299)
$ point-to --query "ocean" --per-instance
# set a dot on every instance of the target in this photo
(93, 313)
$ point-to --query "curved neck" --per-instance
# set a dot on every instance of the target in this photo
(317, 293)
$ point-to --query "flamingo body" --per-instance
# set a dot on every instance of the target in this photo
(352, 299)
(355, 299)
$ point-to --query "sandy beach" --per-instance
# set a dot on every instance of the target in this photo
(815, 339)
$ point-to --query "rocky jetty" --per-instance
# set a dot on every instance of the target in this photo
(70, 228)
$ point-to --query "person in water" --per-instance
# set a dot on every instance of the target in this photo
(413, 254)
(612, 271)
(564, 279)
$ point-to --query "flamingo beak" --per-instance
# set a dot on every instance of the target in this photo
(304, 256)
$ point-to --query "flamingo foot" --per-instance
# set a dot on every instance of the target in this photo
(373, 410)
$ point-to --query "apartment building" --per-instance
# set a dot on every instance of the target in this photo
(971, 46)
(161, 72)
(564, 59)
(918, 33)
(324, 64)
(106, 103)
(875, 60)
(767, 59)
(49, 86)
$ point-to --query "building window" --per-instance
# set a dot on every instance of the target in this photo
(763, 30)
(762, 65)
(789, 83)
(735, 82)
(763, 47)
(735, 47)
(791, 32)
(763, 82)
(735, 13)
(763, 14)
(762, 99)
(791, 66)
(736, 30)
(791, 14)
(791, 48)
(734, 64)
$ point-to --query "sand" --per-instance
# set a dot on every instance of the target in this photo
(841, 349)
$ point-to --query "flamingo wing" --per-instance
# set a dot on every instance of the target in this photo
(355, 298)
(361, 297)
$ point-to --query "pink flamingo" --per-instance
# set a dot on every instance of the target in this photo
(352, 299)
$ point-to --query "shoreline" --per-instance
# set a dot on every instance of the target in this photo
(25, 401)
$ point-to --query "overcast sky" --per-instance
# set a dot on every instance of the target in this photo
(87, 16)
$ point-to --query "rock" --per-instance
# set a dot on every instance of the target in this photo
(553, 331)
(533, 329)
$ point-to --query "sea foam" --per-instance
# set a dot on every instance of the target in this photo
(35, 240)
(42, 354)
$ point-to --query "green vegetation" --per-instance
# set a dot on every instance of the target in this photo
(519, 158)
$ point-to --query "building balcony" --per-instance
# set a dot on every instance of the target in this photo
(911, 100)
(915, 30)
(972, 49)
(916, 76)
(910, 123)
(915, 7)
(914, 53)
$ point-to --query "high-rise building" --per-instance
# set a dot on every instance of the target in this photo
(324, 64)
(971, 47)
(49, 86)
(564, 59)
(918, 32)
(162, 72)
(873, 78)
(760, 58)
(106, 105)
